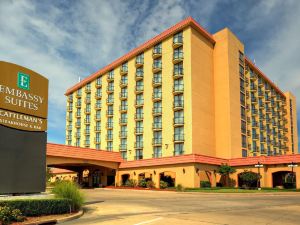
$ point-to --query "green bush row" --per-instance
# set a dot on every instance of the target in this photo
(38, 207)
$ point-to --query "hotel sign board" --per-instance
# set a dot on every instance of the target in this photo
(23, 126)
(23, 98)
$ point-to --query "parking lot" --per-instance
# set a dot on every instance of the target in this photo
(112, 206)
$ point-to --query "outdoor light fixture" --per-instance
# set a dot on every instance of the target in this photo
(167, 145)
(183, 170)
(134, 173)
(154, 172)
(197, 170)
(258, 166)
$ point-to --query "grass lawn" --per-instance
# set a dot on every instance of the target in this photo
(238, 190)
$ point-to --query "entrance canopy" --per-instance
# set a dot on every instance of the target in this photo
(68, 157)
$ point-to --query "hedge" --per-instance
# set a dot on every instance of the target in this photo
(38, 207)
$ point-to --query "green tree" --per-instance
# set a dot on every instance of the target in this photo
(49, 175)
(225, 170)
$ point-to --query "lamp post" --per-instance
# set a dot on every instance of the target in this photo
(258, 166)
(293, 165)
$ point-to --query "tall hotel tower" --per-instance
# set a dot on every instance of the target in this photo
(184, 91)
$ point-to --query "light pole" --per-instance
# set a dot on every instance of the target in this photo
(258, 166)
(293, 165)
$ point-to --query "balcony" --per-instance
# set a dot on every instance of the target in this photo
(138, 130)
(178, 89)
(157, 96)
(253, 76)
(123, 134)
(78, 115)
(260, 82)
(78, 104)
(157, 52)
(254, 100)
(123, 121)
(109, 137)
(98, 84)
(177, 57)
(177, 41)
(87, 132)
(69, 137)
(97, 140)
(139, 103)
(77, 124)
(254, 124)
(139, 62)
(123, 108)
(87, 90)
(98, 106)
(178, 138)
(78, 95)
(139, 116)
(254, 111)
(178, 105)
(157, 141)
(178, 73)
(87, 121)
(262, 139)
(139, 75)
(69, 127)
(260, 94)
(138, 145)
(69, 108)
(156, 82)
(70, 99)
(157, 111)
(255, 136)
(87, 111)
(109, 113)
(253, 87)
(123, 95)
(139, 89)
(124, 70)
(110, 101)
(267, 99)
(110, 89)
(123, 147)
(77, 135)
(87, 101)
(123, 83)
(97, 128)
(178, 121)
(110, 126)
(98, 95)
(157, 126)
(156, 67)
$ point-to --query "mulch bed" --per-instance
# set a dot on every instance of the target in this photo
(140, 188)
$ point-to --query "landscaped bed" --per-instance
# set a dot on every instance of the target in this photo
(239, 190)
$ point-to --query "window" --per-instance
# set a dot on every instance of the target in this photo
(97, 138)
(138, 154)
(139, 113)
(110, 86)
(157, 122)
(139, 72)
(98, 126)
(244, 153)
(157, 107)
(178, 38)
(124, 92)
(77, 143)
(111, 74)
(157, 49)
(124, 80)
(99, 81)
(139, 127)
(139, 99)
(123, 117)
(98, 115)
(243, 127)
(178, 53)
(157, 63)
(99, 92)
(242, 98)
(110, 122)
(243, 113)
(157, 93)
(139, 86)
(178, 134)
(87, 119)
(178, 149)
(178, 117)
(157, 137)
(244, 141)
(178, 69)
(242, 85)
(109, 134)
(178, 85)
(124, 155)
(123, 144)
(88, 108)
(178, 101)
(157, 78)
(109, 146)
(110, 110)
(124, 105)
(140, 58)
(157, 152)
(98, 103)
(124, 67)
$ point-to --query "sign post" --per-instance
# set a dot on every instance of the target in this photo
(23, 126)
(258, 166)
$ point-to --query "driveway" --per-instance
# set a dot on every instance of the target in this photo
(112, 206)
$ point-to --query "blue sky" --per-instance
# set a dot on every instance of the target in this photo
(65, 39)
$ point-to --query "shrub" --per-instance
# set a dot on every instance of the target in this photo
(69, 190)
(8, 215)
(163, 184)
(38, 207)
(142, 183)
(249, 178)
(205, 184)
(130, 183)
(179, 187)
(150, 184)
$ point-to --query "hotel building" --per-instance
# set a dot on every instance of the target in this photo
(184, 92)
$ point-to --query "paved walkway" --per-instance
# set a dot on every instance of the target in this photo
(110, 206)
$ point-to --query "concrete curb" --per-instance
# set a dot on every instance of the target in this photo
(69, 218)
(62, 220)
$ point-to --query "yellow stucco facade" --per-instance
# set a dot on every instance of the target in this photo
(187, 92)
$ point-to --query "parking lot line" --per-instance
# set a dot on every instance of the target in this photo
(149, 221)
